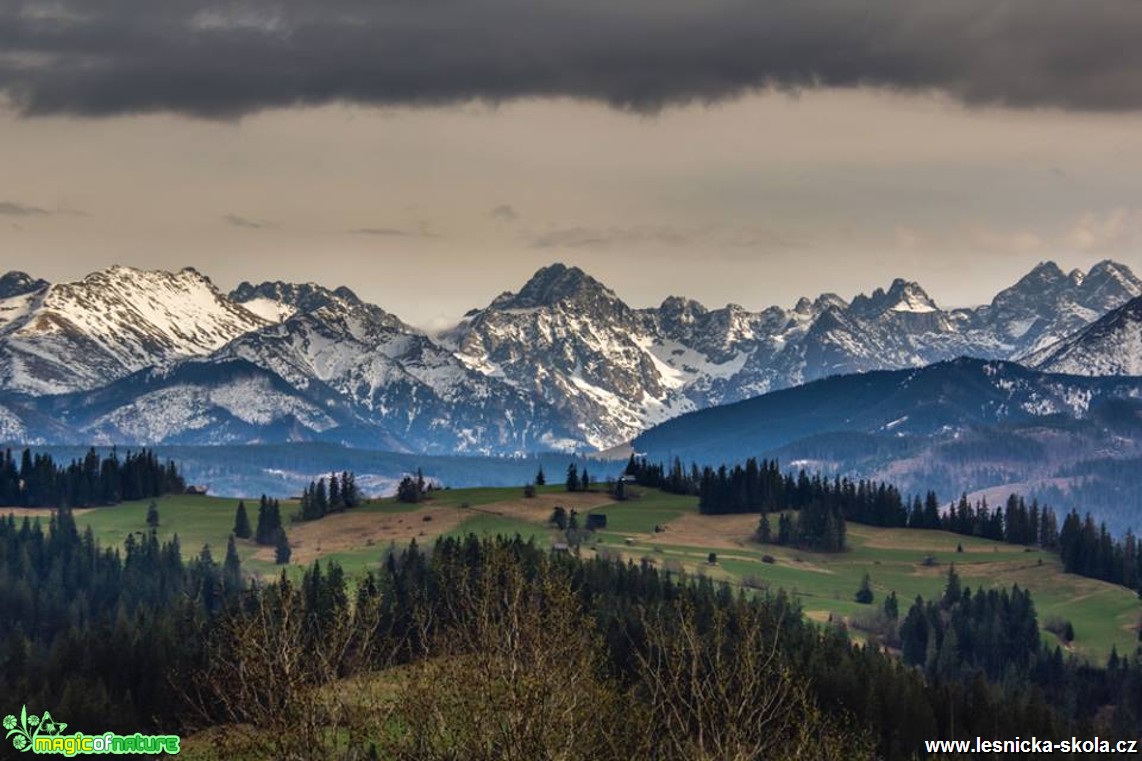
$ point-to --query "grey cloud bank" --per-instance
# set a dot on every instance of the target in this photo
(218, 60)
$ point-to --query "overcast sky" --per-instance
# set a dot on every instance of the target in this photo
(433, 154)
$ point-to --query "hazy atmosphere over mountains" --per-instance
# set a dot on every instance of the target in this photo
(146, 357)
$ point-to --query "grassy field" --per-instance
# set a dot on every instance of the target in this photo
(1102, 614)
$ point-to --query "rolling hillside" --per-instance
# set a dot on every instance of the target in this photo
(1103, 615)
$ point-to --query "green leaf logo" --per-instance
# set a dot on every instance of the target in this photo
(23, 731)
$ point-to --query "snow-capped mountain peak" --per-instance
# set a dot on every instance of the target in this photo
(556, 284)
(901, 296)
(16, 283)
(113, 322)
(562, 362)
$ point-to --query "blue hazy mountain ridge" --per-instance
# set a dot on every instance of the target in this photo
(928, 401)
(961, 425)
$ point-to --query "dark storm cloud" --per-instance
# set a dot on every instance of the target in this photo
(219, 60)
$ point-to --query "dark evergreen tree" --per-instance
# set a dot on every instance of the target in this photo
(153, 515)
(953, 591)
(269, 522)
(320, 499)
(232, 568)
(350, 495)
(784, 529)
(764, 532)
(559, 518)
(282, 551)
(891, 607)
(540, 478)
(864, 594)
(242, 522)
(336, 504)
(409, 490)
(572, 477)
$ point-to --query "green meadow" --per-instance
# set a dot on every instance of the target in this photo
(908, 562)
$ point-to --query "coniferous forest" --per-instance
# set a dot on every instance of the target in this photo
(37, 481)
(823, 505)
(479, 642)
(493, 637)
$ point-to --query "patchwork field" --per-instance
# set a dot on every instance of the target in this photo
(665, 530)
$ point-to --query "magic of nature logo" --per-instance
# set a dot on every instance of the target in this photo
(44, 735)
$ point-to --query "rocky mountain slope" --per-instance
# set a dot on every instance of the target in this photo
(1110, 346)
(564, 363)
(80, 336)
(567, 338)
(395, 377)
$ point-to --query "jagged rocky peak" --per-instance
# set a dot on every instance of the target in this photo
(682, 310)
(16, 283)
(289, 297)
(557, 284)
(279, 301)
(1045, 279)
(901, 296)
(1110, 280)
(829, 301)
(155, 287)
(1045, 271)
(1107, 285)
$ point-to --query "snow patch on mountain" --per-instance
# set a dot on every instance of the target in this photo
(563, 362)
(1110, 346)
(82, 335)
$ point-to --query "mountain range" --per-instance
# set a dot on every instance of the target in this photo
(144, 357)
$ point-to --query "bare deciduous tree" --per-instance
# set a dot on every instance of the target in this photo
(717, 691)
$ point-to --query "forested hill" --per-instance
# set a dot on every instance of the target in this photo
(36, 480)
(465, 647)
(940, 398)
(965, 425)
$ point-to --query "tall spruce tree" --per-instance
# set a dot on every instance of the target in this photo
(241, 522)
(269, 522)
(350, 495)
(336, 504)
(282, 551)
(864, 594)
(231, 568)
(572, 477)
